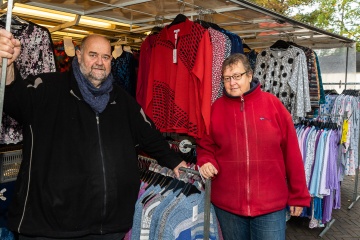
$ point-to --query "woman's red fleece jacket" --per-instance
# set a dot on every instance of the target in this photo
(253, 144)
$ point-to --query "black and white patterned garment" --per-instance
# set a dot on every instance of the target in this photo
(36, 56)
(221, 50)
(227, 54)
(284, 74)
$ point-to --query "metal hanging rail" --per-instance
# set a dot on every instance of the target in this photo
(207, 204)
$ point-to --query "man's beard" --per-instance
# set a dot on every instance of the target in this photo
(91, 76)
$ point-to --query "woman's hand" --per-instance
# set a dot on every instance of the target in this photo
(208, 170)
(295, 211)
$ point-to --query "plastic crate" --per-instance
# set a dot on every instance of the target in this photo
(9, 148)
(10, 165)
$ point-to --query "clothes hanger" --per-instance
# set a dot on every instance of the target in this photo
(331, 92)
(202, 23)
(192, 189)
(15, 20)
(174, 184)
(166, 181)
(156, 30)
(246, 46)
(20, 20)
(280, 44)
(189, 189)
(180, 18)
(215, 26)
(17, 23)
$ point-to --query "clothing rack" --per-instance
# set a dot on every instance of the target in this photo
(356, 196)
(329, 224)
(349, 83)
(327, 227)
(340, 84)
(207, 194)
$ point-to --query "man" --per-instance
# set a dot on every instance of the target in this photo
(79, 177)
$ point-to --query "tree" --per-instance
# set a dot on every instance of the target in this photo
(281, 6)
(338, 16)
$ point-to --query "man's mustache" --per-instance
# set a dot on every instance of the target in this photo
(100, 68)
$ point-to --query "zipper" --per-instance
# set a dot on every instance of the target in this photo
(247, 156)
(28, 186)
(104, 172)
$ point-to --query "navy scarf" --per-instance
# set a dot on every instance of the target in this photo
(97, 98)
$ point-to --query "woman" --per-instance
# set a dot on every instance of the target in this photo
(253, 156)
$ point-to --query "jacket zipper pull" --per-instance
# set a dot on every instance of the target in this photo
(97, 119)
(242, 103)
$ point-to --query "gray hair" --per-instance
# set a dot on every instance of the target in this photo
(235, 59)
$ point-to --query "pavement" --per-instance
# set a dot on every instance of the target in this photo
(345, 224)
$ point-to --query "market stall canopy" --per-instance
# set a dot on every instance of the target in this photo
(128, 22)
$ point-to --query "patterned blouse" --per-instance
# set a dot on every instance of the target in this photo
(220, 52)
(36, 56)
(123, 70)
(284, 74)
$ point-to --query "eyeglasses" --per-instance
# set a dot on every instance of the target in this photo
(236, 77)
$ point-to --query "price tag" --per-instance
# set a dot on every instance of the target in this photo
(175, 55)
(195, 213)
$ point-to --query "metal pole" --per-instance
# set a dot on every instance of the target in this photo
(207, 204)
(346, 65)
(207, 209)
(189, 170)
(5, 60)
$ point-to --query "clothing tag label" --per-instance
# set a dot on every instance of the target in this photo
(174, 55)
(195, 213)
(176, 31)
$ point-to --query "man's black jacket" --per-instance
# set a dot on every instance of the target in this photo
(79, 173)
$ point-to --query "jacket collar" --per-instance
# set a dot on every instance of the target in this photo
(253, 92)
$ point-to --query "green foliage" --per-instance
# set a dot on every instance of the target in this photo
(338, 16)
(281, 6)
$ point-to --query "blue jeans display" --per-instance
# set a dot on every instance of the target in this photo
(270, 226)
